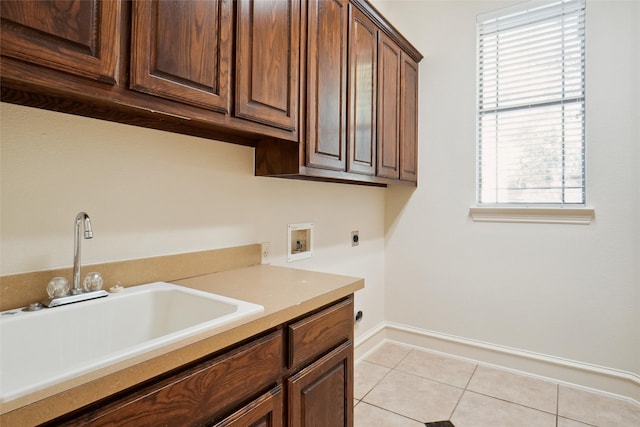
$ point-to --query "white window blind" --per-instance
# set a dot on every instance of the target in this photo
(531, 96)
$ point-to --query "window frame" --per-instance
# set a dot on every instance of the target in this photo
(516, 211)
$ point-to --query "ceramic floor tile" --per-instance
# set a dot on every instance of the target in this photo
(476, 410)
(439, 368)
(366, 375)
(596, 409)
(388, 354)
(414, 397)
(565, 422)
(520, 389)
(365, 415)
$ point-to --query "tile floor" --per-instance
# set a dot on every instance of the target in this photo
(397, 386)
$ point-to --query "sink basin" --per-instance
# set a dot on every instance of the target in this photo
(42, 348)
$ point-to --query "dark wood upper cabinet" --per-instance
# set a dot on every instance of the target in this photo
(327, 32)
(409, 119)
(389, 108)
(323, 89)
(268, 62)
(363, 63)
(80, 37)
(182, 50)
(358, 89)
(397, 113)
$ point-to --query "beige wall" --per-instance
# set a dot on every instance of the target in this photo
(153, 193)
(568, 291)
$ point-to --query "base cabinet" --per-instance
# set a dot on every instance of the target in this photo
(256, 384)
(197, 395)
(266, 411)
(322, 393)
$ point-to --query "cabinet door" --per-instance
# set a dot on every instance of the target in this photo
(267, 62)
(388, 108)
(322, 393)
(197, 395)
(409, 119)
(266, 411)
(327, 84)
(363, 63)
(181, 50)
(80, 37)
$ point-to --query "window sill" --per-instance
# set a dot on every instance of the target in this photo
(581, 216)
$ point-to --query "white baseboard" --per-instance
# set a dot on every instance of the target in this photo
(369, 341)
(617, 383)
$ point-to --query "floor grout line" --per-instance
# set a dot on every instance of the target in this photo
(555, 412)
(464, 390)
(393, 412)
(557, 403)
(377, 383)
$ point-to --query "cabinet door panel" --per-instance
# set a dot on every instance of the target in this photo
(266, 411)
(181, 50)
(409, 120)
(267, 84)
(75, 36)
(389, 108)
(197, 395)
(327, 83)
(363, 54)
(322, 393)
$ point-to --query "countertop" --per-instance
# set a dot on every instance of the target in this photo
(285, 293)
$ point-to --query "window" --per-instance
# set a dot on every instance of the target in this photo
(531, 113)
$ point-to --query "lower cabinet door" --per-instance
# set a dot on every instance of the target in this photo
(321, 394)
(265, 411)
(197, 395)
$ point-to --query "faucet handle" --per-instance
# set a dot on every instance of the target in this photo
(93, 282)
(58, 287)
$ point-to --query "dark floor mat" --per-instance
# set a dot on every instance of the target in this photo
(440, 424)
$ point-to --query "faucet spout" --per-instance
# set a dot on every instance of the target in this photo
(81, 218)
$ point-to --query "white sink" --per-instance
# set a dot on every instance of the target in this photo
(42, 348)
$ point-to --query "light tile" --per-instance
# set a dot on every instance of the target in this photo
(414, 397)
(439, 368)
(520, 389)
(366, 376)
(365, 415)
(596, 409)
(388, 354)
(566, 422)
(476, 410)
(355, 402)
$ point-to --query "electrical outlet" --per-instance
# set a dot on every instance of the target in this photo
(355, 238)
(265, 253)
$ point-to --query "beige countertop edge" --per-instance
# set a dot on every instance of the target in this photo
(285, 294)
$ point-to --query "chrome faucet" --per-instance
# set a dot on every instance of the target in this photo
(88, 234)
(77, 293)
